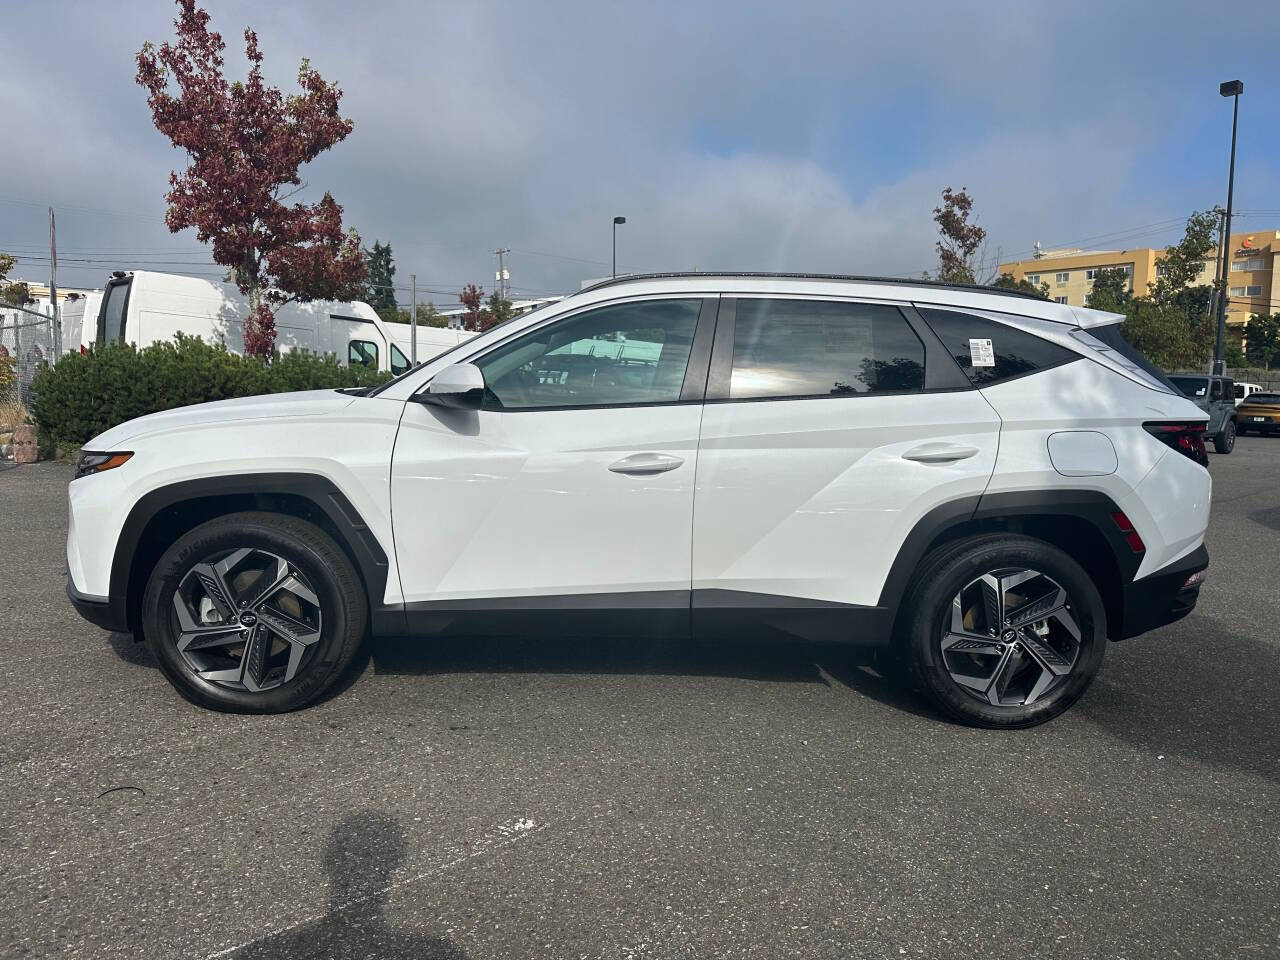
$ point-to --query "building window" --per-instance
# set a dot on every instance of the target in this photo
(1033, 279)
(1253, 291)
(1091, 274)
(1237, 291)
(1059, 299)
(1257, 263)
(1061, 277)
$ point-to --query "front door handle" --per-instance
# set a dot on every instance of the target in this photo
(938, 452)
(646, 463)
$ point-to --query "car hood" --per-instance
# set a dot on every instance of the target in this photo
(305, 403)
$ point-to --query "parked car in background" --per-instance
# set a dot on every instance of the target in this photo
(1216, 396)
(144, 307)
(1261, 413)
(984, 485)
(1244, 389)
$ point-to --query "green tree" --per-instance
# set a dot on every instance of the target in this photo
(1183, 262)
(15, 293)
(381, 276)
(1263, 340)
(499, 308)
(1111, 291)
(1006, 282)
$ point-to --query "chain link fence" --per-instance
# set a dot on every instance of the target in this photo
(26, 341)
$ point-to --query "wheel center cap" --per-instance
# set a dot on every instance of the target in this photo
(1008, 637)
(248, 619)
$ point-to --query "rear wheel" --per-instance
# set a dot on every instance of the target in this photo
(254, 613)
(1005, 631)
(1225, 439)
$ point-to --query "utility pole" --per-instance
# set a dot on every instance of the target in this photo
(413, 319)
(502, 274)
(1233, 89)
(56, 315)
(1219, 279)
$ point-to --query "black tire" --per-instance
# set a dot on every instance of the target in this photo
(941, 577)
(343, 608)
(1225, 439)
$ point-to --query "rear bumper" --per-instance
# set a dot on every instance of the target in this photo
(1162, 597)
(99, 611)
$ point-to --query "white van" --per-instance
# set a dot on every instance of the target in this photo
(1244, 389)
(432, 341)
(143, 307)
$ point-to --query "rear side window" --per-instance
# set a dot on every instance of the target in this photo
(989, 352)
(113, 312)
(363, 352)
(817, 348)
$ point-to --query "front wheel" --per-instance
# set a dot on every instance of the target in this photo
(1225, 439)
(254, 613)
(1004, 631)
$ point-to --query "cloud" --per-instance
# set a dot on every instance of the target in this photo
(807, 136)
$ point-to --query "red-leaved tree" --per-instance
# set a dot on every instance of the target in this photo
(477, 317)
(245, 142)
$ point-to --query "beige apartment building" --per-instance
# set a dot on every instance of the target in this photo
(1069, 274)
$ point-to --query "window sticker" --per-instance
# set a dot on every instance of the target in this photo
(981, 353)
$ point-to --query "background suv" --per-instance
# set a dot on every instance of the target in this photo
(987, 484)
(1216, 396)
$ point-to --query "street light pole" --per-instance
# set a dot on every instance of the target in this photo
(616, 221)
(1232, 88)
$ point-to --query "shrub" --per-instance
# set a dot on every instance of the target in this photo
(85, 394)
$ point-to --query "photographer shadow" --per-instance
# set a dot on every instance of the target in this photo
(361, 857)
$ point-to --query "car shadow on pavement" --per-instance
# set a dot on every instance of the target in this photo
(361, 856)
(1200, 693)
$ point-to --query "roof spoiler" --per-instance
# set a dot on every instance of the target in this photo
(1086, 318)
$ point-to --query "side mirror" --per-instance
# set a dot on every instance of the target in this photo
(457, 387)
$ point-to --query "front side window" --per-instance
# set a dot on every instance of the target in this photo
(629, 353)
(988, 351)
(363, 352)
(815, 348)
(399, 362)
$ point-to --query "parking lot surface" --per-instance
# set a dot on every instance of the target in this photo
(488, 799)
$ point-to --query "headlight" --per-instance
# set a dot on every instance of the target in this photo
(98, 462)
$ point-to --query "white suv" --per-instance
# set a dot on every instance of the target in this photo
(985, 483)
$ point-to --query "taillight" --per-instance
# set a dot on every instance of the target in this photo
(1125, 526)
(1186, 438)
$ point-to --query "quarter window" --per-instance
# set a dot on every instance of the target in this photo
(816, 348)
(988, 351)
(630, 353)
(362, 352)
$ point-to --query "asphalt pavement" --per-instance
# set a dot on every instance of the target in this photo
(529, 799)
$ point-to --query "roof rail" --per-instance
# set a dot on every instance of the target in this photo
(748, 274)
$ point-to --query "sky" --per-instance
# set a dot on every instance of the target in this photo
(805, 136)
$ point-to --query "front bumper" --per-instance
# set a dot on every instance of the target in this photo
(97, 610)
(1162, 597)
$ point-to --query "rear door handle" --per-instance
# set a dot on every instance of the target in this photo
(937, 452)
(645, 463)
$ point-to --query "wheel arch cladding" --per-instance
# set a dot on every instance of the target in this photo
(1078, 522)
(163, 515)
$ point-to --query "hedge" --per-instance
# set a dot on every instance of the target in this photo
(84, 394)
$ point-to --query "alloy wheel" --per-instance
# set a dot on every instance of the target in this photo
(1011, 637)
(246, 619)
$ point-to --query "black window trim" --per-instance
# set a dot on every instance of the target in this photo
(692, 388)
(941, 375)
(1004, 320)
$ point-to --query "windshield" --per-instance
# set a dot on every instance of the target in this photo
(1273, 398)
(1191, 386)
